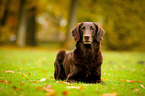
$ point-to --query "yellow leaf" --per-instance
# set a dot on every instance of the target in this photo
(44, 71)
(123, 80)
(24, 75)
(81, 88)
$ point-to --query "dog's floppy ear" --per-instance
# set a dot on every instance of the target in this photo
(76, 33)
(99, 32)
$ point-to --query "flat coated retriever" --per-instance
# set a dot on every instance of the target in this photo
(84, 62)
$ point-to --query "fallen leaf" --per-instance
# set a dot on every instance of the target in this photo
(85, 84)
(44, 71)
(139, 81)
(64, 82)
(47, 89)
(48, 86)
(130, 81)
(22, 82)
(104, 87)
(97, 90)
(74, 87)
(136, 90)
(43, 79)
(17, 89)
(65, 92)
(123, 80)
(9, 71)
(35, 81)
(133, 69)
(103, 79)
(81, 88)
(142, 86)
(5, 81)
(51, 93)
(38, 88)
(109, 94)
(20, 68)
(24, 75)
(37, 70)
(51, 77)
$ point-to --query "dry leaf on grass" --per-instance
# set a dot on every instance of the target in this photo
(17, 89)
(64, 82)
(38, 88)
(109, 94)
(74, 87)
(136, 90)
(43, 79)
(5, 81)
(24, 75)
(139, 81)
(142, 86)
(44, 71)
(48, 86)
(65, 92)
(50, 91)
(9, 71)
(22, 82)
(35, 81)
(131, 81)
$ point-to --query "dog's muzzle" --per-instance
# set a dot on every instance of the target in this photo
(87, 39)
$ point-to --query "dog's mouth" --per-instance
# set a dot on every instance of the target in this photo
(87, 42)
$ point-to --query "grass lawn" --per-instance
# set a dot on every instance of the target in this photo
(29, 72)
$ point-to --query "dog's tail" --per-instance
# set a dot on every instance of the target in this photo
(59, 68)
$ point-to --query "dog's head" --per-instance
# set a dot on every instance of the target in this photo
(88, 32)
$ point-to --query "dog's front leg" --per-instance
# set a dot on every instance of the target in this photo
(72, 76)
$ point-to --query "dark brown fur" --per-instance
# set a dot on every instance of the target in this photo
(84, 62)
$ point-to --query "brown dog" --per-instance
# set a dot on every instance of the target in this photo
(84, 62)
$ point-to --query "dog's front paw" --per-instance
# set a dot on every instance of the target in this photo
(71, 81)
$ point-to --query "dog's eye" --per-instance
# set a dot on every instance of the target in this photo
(83, 28)
(91, 28)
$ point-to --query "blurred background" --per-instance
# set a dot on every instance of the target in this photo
(49, 22)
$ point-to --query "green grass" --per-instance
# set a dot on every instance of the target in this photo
(121, 72)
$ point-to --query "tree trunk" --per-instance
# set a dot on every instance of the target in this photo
(31, 27)
(5, 15)
(71, 23)
(21, 34)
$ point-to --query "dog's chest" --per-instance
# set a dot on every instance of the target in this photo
(86, 64)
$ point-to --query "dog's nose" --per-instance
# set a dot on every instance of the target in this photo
(86, 37)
